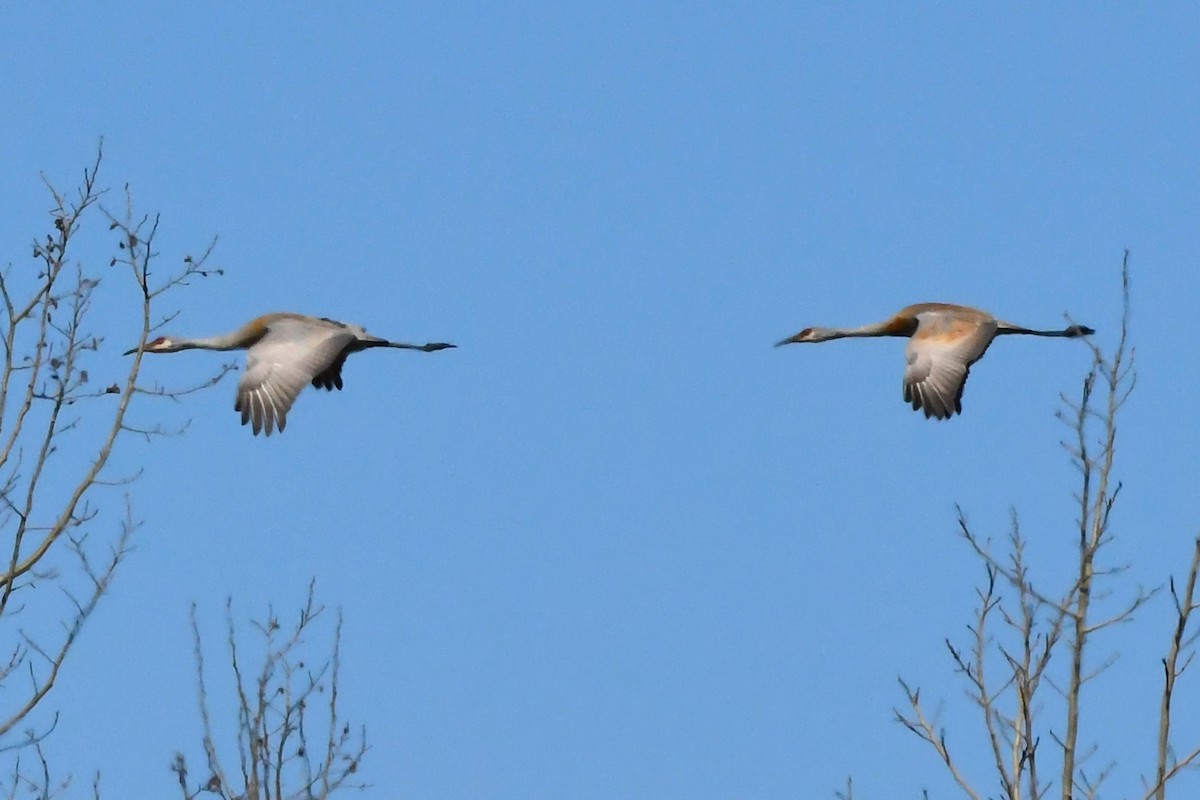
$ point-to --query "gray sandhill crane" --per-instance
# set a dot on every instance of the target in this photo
(284, 352)
(944, 340)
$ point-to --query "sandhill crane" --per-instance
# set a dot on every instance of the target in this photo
(283, 352)
(944, 340)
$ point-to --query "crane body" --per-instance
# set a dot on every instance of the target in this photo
(284, 352)
(944, 340)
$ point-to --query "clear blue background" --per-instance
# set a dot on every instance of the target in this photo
(616, 545)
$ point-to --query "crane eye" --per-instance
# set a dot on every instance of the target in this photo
(159, 342)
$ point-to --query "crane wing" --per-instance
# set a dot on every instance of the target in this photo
(940, 354)
(280, 364)
(331, 377)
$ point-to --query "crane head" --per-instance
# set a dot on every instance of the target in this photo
(806, 335)
(163, 344)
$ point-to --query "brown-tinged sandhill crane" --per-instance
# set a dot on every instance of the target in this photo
(284, 352)
(944, 340)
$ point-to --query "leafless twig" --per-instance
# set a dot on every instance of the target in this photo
(277, 756)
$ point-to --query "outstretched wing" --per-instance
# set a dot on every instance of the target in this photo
(940, 354)
(292, 353)
(331, 377)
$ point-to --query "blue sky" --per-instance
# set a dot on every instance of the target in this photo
(616, 545)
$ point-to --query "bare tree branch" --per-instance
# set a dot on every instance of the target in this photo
(1047, 636)
(61, 420)
(1166, 767)
(274, 709)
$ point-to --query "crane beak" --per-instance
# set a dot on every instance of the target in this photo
(131, 352)
(789, 340)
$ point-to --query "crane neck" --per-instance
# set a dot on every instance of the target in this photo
(225, 341)
(889, 328)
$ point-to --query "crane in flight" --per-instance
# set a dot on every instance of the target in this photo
(944, 340)
(283, 353)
